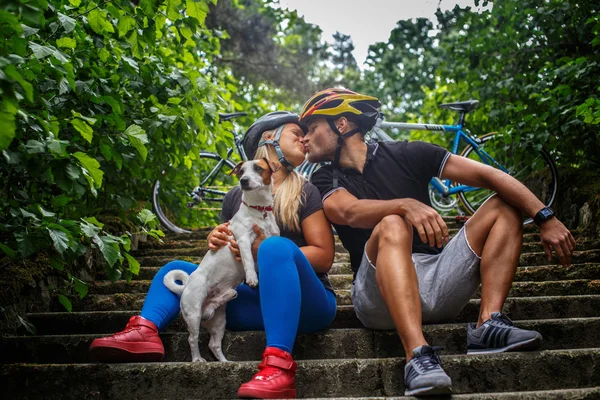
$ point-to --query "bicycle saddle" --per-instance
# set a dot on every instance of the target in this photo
(228, 116)
(464, 106)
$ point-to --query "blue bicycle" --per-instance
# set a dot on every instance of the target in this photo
(532, 167)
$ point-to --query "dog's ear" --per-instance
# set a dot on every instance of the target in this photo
(237, 169)
(268, 164)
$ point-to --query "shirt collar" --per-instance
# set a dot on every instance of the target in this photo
(371, 153)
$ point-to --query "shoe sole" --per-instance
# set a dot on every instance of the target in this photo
(429, 391)
(531, 344)
(266, 394)
(117, 354)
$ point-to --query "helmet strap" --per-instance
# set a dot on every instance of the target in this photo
(338, 150)
(275, 143)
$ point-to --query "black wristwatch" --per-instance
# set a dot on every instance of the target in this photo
(543, 215)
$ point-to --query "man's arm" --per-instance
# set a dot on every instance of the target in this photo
(554, 235)
(343, 208)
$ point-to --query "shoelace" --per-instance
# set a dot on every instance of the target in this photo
(430, 361)
(504, 320)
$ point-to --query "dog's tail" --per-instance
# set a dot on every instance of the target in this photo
(171, 278)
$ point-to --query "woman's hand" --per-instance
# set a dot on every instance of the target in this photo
(222, 236)
(260, 237)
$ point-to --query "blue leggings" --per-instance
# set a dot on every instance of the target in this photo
(290, 298)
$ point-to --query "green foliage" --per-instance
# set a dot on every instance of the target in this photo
(96, 99)
(534, 66)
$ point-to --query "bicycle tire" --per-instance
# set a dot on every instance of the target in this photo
(167, 211)
(539, 176)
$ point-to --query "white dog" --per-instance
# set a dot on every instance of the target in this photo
(207, 290)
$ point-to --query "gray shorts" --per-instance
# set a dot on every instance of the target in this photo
(447, 281)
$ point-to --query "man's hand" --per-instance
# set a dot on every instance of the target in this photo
(222, 236)
(260, 237)
(431, 227)
(555, 236)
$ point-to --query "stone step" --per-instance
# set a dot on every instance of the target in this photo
(588, 393)
(200, 249)
(545, 370)
(571, 333)
(340, 271)
(342, 284)
(109, 314)
(191, 243)
(526, 259)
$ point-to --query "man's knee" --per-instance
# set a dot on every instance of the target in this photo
(505, 211)
(393, 229)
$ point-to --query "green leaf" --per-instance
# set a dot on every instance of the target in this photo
(66, 42)
(34, 147)
(173, 7)
(67, 22)
(89, 229)
(109, 249)
(80, 287)
(11, 72)
(93, 220)
(99, 22)
(27, 214)
(12, 254)
(57, 264)
(103, 54)
(89, 120)
(45, 213)
(146, 216)
(114, 104)
(126, 23)
(197, 9)
(75, 3)
(135, 46)
(82, 127)
(7, 129)
(60, 201)
(149, 7)
(138, 138)
(28, 31)
(58, 147)
(59, 239)
(90, 167)
(41, 52)
(65, 302)
(134, 265)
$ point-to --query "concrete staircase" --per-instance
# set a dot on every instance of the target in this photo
(347, 361)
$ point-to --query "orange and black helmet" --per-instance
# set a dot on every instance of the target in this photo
(334, 103)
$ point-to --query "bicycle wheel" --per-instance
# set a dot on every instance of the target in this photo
(188, 199)
(534, 169)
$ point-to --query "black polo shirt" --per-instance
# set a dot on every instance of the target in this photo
(393, 170)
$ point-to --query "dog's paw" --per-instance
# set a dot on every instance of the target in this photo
(252, 281)
(200, 359)
(208, 313)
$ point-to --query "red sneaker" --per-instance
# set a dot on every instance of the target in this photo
(275, 378)
(138, 342)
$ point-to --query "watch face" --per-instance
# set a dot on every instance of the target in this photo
(547, 213)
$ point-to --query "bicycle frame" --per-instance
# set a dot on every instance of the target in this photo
(445, 188)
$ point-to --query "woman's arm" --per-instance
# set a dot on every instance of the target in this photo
(319, 249)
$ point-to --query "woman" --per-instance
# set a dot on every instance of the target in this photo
(294, 293)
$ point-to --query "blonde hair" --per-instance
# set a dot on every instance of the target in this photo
(288, 195)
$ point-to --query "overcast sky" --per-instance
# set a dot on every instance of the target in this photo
(366, 21)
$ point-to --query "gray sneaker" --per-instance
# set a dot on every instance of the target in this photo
(423, 374)
(497, 335)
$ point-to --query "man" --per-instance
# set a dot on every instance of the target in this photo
(406, 270)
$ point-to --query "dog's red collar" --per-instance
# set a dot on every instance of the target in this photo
(264, 209)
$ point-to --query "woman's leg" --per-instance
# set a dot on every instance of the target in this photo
(161, 305)
(291, 297)
(139, 341)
